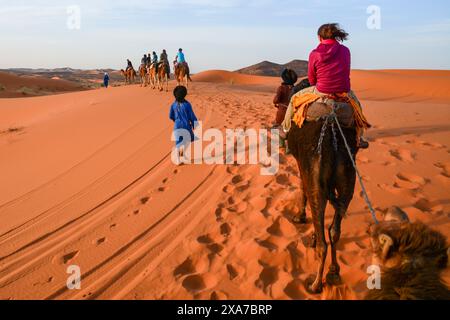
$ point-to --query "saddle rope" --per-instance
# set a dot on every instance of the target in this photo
(332, 116)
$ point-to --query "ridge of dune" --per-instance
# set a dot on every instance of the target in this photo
(377, 85)
(229, 77)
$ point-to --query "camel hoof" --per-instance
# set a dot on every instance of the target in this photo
(333, 279)
(312, 287)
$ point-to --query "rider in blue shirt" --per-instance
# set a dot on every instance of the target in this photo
(155, 61)
(180, 56)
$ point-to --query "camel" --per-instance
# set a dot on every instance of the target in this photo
(129, 75)
(411, 257)
(182, 74)
(153, 77)
(163, 78)
(327, 176)
(143, 75)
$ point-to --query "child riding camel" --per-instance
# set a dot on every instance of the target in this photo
(282, 98)
(329, 76)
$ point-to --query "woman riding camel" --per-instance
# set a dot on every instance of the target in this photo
(329, 76)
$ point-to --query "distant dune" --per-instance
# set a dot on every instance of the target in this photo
(270, 69)
(425, 86)
(88, 79)
(13, 86)
(228, 77)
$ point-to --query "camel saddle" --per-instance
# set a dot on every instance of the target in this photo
(324, 107)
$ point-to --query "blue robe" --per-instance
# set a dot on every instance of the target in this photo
(106, 81)
(183, 116)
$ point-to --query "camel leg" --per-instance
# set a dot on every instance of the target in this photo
(345, 189)
(318, 201)
(334, 232)
(300, 217)
(318, 209)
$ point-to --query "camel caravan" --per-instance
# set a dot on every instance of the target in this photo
(155, 73)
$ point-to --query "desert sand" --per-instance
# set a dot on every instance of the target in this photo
(14, 86)
(87, 180)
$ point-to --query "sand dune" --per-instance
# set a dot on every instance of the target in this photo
(87, 180)
(12, 86)
(227, 77)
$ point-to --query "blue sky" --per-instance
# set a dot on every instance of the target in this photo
(226, 34)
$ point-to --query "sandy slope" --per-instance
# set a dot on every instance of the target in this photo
(87, 180)
(13, 86)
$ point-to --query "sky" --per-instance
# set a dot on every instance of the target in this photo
(220, 34)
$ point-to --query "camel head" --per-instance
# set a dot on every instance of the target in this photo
(398, 243)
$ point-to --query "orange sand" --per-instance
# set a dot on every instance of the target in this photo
(13, 86)
(87, 180)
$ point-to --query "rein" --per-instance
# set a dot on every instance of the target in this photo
(332, 118)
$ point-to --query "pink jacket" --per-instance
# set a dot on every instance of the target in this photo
(329, 67)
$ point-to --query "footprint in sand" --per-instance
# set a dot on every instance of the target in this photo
(238, 208)
(237, 179)
(219, 213)
(100, 241)
(218, 296)
(187, 267)
(196, 283)
(294, 290)
(232, 272)
(267, 277)
(424, 205)
(215, 248)
(403, 155)
(270, 243)
(445, 168)
(225, 230)
(65, 259)
(388, 164)
(412, 179)
(205, 239)
(282, 227)
(144, 200)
